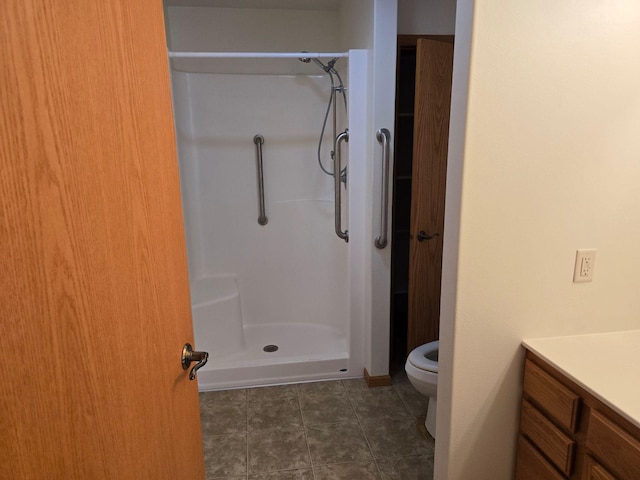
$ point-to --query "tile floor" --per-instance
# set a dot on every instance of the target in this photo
(317, 431)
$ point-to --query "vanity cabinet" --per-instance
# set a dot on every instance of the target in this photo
(567, 433)
(594, 471)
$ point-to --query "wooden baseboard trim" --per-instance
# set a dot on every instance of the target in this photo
(378, 381)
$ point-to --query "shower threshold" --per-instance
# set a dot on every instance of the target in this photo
(305, 352)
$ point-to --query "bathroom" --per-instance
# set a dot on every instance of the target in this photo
(270, 279)
(544, 103)
(248, 240)
(434, 20)
(522, 302)
(278, 295)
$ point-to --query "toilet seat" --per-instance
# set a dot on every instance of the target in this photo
(418, 357)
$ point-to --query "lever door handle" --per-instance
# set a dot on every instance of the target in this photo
(189, 355)
(422, 236)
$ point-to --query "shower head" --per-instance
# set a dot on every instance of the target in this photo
(328, 68)
(304, 59)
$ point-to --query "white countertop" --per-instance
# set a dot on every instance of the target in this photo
(607, 365)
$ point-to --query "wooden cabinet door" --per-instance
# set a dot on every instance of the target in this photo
(434, 68)
(94, 306)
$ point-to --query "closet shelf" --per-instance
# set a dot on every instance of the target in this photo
(252, 63)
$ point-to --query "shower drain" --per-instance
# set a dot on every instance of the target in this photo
(270, 348)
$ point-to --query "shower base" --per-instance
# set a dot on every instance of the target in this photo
(305, 352)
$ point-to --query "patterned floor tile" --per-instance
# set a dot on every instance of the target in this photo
(419, 467)
(422, 428)
(355, 385)
(225, 455)
(273, 450)
(275, 447)
(267, 394)
(275, 414)
(415, 402)
(326, 408)
(378, 402)
(394, 437)
(333, 387)
(223, 418)
(243, 477)
(399, 376)
(347, 471)
(337, 443)
(303, 474)
(237, 396)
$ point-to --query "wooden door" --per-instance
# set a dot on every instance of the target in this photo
(94, 306)
(434, 66)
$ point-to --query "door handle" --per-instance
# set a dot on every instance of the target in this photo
(422, 236)
(189, 355)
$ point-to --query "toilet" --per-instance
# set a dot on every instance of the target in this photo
(422, 371)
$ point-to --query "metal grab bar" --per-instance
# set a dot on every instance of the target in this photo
(383, 135)
(262, 216)
(337, 169)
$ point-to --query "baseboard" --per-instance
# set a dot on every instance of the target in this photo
(377, 381)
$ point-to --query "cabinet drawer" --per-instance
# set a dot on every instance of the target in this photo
(594, 471)
(549, 439)
(531, 465)
(614, 447)
(553, 398)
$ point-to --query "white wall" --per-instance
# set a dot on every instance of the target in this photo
(294, 268)
(550, 163)
(189, 172)
(262, 94)
(372, 25)
(383, 83)
(365, 24)
(358, 197)
(356, 24)
(426, 17)
(253, 30)
(457, 135)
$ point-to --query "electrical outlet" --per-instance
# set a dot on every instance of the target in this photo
(585, 262)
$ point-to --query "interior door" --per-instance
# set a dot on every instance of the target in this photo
(94, 306)
(434, 67)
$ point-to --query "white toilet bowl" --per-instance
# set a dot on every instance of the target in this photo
(422, 371)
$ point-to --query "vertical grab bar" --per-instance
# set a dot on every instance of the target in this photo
(383, 135)
(262, 216)
(337, 169)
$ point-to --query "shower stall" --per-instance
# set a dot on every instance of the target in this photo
(271, 113)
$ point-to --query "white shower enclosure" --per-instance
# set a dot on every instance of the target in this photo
(276, 295)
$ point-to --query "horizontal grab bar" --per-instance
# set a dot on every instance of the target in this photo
(262, 216)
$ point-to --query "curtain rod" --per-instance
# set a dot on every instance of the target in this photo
(255, 55)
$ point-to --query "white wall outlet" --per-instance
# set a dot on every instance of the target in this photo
(585, 262)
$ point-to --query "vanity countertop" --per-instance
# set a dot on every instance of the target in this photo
(607, 365)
